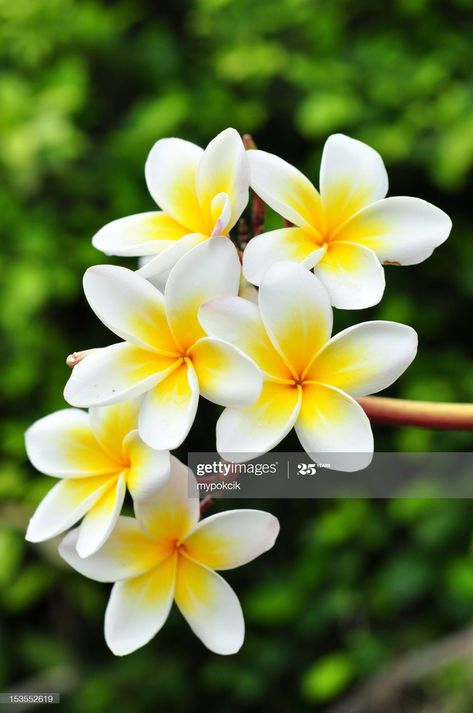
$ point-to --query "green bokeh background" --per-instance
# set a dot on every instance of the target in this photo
(86, 88)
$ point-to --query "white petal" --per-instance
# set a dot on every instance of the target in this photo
(65, 504)
(245, 433)
(286, 190)
(399, 229)
(171, 170)
(111, 424)
(128, 552)
(226, 376)
(295, 309)
(231, 539)
(238, 321)
(352, 175)
(210, 607)
(149, 470)
(163, 262)
(169, 409)
(365, 358)
(352, 274)
(129, 306)
(138, 608)
(285, 244)
(141, 234)
(333, 428)
(101, 519)
(212, 269)
(224, 168)
(115, 373)
(63, 445)
(174, 511)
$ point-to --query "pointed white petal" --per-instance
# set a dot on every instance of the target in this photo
(166, 260)
(148, 471)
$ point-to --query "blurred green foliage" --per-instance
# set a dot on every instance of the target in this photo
(85, 89)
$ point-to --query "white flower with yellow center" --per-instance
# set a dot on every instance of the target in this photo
(166, 353)
(348, 229)
(165, 555)
(310, 378)
(202, 194)
(96, 455)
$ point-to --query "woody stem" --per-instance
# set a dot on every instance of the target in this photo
(426, 414)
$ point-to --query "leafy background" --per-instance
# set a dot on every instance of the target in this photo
(85, 90)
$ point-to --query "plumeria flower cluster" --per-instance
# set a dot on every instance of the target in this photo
(246, 325)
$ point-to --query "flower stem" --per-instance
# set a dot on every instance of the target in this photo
(426, 414)
(257, 205)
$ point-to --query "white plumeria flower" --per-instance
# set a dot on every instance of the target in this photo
(165, 555)
(96, 455)
(347, 230)
(202, 194)
(166, 353)
(310, 378)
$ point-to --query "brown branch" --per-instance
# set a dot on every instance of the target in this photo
(385, 687)
(426, 414)
(205, 503)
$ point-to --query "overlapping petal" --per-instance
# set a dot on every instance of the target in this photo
(115, 373)
(231, 539)
(171, 174)
(101, 518)
(128, 552)
(167, 258)
(352, 274)
(238, 321)
(210, 607)
(245, 433)
(212, 269)
(141, 234)
(398, 229)
(365, 358)
(111, 424)
(352, 175)
(65, 504)
(224, 169)
(286, 190)
(148, 469)
(226, 376)
(285, 244)
(169, 409)
(130, 307)
(139, 607)
(176, 511)
(296, 313)
(63, 445)
(333, 426)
